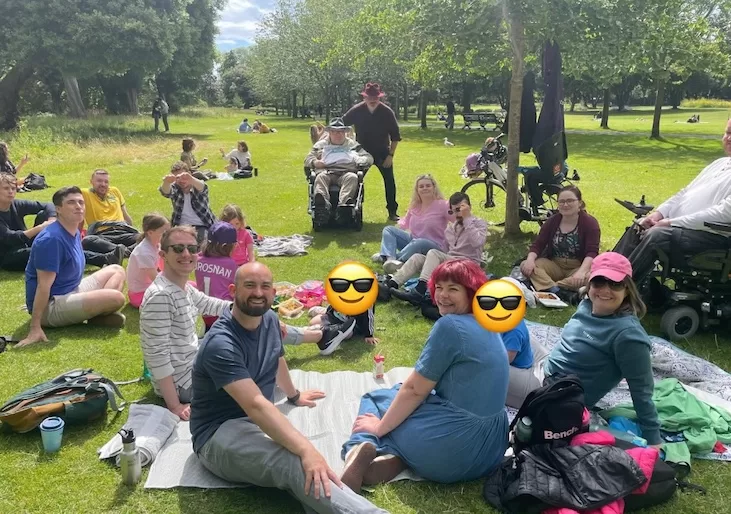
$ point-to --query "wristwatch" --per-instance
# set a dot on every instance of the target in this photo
(294, 399)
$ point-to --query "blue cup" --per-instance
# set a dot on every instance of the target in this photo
(51, 433)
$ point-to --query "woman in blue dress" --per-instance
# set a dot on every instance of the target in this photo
(447, 421)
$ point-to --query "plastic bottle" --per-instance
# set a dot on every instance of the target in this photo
(129, 459)
(378, 366)
(524, 429)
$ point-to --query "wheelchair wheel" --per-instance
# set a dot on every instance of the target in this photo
(680, 322)
(490, 196)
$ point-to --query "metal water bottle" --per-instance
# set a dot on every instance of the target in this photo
(524, 429)
(129, 459)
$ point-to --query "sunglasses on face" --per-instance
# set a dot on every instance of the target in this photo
(600, 282)
(509, 303)
(362, 285)
(181, 248)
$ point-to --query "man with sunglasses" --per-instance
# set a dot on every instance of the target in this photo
(56, 292)
(466, 237)
(237, 431)
(168, 315)
(677, 225)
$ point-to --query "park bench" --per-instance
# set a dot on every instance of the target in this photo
(483, 118)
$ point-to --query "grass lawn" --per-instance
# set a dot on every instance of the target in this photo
(275, 203)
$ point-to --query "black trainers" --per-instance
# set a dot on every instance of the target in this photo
(322, 209)
(333, 335)
(116, 256)
(393, 217)
(412, 296)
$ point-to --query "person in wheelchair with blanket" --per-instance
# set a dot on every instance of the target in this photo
(336, 159)
(678, 224)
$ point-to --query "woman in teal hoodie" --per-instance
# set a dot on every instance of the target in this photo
(604, 342)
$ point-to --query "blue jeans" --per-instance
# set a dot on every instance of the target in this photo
(399, 244)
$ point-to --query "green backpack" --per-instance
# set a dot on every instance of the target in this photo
(77, 396)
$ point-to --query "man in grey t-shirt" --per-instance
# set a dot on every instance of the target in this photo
(238, 433)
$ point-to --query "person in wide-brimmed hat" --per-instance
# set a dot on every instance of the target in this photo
(377, 130)
(336, 159)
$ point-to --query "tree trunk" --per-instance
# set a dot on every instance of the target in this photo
(517, 43)
(573, 105)
(605, 109)
(134, 107)
(406, 102)
(422, 108)
(467, 90)
(73, 97)
(10, 87)
(660, 88)
(303, 105)
(294, 104)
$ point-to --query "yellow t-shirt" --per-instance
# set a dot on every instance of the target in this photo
(109, 209)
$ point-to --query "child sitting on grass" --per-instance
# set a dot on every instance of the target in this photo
(142, 267)
(244, 250)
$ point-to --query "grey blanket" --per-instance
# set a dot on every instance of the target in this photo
(282, 246)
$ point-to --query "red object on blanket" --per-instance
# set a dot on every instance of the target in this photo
(719, 447)
(645, 458)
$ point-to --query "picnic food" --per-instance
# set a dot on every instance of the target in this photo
(290, 308)
(546, 296)
(285, 289)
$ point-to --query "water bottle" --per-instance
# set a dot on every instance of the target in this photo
(129, 459)
(524, 429)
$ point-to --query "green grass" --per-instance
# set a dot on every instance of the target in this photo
(67, 151)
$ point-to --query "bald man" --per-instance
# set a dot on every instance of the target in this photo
(237, 366)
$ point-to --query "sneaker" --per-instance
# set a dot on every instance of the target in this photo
(384, 291)
(333, 335)
(378, 258)
(116, 256)
(357, 462)
(412, 296)
(384, 468)
(113, 320)
(393, 217)
(391, 266)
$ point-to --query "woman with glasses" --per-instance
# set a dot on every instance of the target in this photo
(421, 230)
(604, 342)
(560, 258)
(447, 421)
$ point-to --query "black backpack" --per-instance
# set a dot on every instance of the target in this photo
(556, 411)
(34, 182)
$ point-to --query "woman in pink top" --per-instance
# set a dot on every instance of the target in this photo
(421, 230)
(142, 267)
(244, 251)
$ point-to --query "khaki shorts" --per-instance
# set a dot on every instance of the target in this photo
(68, 309)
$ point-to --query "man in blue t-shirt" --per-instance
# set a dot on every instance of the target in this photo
(56, 293)
(238, 433)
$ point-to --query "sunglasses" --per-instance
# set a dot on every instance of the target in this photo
(362, 285)
(181, 248)
(509, 303)
(600, 282)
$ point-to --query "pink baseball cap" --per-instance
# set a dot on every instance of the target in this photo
(611, 265)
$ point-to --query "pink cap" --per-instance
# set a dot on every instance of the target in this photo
(611, 265)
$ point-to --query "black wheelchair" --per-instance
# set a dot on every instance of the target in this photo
(692, 290)
(353, 221)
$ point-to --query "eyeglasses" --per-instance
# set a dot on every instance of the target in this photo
(455, 209)
(181, 248)
(509, 303)
(362, 285)
(568, 202)
(600, 282)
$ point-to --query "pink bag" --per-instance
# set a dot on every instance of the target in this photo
(310, 293)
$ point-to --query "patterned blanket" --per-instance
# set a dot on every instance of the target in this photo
(667, 361)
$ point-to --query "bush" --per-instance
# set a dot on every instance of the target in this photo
(706, 103)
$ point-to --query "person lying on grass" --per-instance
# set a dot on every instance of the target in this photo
(467, 368)
(602, 344)
(56, 292)
(238, 433)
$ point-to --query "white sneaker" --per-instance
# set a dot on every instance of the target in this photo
(391, 266)
(377, 258)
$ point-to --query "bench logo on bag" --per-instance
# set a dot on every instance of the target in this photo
(554, 412)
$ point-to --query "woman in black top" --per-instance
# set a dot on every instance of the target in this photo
(6, 166)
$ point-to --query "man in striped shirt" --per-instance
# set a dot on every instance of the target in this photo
(168, 316)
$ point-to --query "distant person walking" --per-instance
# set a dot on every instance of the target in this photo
(160, 109)
(450, 115)
(377, 131)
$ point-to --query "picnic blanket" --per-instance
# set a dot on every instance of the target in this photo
(328, 425)
(283, 246)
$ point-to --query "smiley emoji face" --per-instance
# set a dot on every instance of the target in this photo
(351, 288)
(498, 306)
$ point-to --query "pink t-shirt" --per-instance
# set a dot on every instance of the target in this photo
(145, 255)
(240, 254)
(213, 275)
(428, 224)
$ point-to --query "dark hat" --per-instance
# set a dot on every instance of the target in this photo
(222, 232)
(336, 124)
(372, 89)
